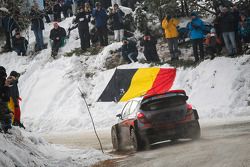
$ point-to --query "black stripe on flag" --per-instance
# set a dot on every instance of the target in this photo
(118, 85)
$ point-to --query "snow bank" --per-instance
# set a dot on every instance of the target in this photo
(52, 102)
(23, 149)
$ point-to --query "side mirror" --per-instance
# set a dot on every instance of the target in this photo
(119, 116)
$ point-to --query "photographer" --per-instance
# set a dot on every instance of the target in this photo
(149, 43)
(117, 15)
(169, 25)
(196, 27)
(129, 50)
(83, 19)
(101, 17)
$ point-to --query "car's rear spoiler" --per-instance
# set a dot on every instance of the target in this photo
(170, 93)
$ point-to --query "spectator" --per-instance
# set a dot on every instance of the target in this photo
(48, 11)
(83, 19)
(236, 15)
(244, 29)
(227, 26)
(169, 25)
(101, 17)
(57, 10)
(67, 8)
(117, 14)
(14, 95)
(118, 2)
(57, 35)
(5, 113)
(9, 24)
(20, 44)
(37, 26)
(149, 44)
(213, 44)
(129, 50)
(196, 27)
(131, 4)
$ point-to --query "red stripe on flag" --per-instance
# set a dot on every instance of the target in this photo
(163, 82)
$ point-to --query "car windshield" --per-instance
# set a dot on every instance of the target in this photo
(159, 104)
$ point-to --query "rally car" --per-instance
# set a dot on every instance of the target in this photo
(155, 118)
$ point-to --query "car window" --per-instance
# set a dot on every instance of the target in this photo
(125, 111)
(133, 107)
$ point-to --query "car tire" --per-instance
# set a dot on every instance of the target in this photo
(195, 130)
(135, 141)
(115, 139)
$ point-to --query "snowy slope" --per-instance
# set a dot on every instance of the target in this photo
(23, 149)
(52, 103)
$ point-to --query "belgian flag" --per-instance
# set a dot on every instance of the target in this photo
(126, 84)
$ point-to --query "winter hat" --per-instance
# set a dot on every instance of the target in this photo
(15, 74)
(3, 72)
(55, 23)
(3, 9)
(2, 69)
(147, 33)
(212, 30)
(97, 4)
(124, 39)
(194, 14)
(169, 17)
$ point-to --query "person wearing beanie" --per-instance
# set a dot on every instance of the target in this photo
(57, 35)
(244, 28)
(169, 24)
(82, 19)
(37, 26)
(101, 17)
(226, 21)
(117, 15)
(20, 44)
(129, 50)
(5, 113)
(196, 35)
(14, 99)
(149, 44)
(212, 44)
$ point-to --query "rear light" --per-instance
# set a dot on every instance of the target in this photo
(189, 107)
(141, 117)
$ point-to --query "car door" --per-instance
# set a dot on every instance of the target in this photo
(124, 122)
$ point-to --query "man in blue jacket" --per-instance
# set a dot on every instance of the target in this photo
(101, 17)
(196, 27)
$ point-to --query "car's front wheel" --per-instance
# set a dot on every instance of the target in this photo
(115, 140)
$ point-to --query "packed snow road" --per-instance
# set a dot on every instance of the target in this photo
(222, 144)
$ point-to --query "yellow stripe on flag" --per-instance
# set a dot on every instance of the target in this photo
(142, 81)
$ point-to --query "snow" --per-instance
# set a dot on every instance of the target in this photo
(24, 149)
(52, 103)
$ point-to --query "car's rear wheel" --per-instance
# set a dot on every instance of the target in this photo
(115, 140)
(195, 130)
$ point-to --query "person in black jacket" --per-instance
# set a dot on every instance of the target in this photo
(129, 50)
(57, 10)
(14, 94)
(117, 15)
(83, 19)
(37, 26)
(150, 52)
(5, 113)
(227, 27)
(9, 24)
(19, 44)
(57, 35)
